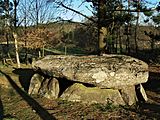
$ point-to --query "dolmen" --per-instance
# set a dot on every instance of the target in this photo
(115, 79)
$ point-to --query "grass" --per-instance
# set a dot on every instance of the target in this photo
(14, 107)
(69, 50)
(1, 74)
(104, 107)
(11, 92)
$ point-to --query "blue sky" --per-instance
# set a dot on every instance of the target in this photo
(84, 9)
(68, 15)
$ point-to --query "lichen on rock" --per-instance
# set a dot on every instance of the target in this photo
(105, 73)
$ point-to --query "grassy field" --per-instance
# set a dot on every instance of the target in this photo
(16, 104)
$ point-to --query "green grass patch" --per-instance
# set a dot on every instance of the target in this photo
(104, 107)
(68, 50)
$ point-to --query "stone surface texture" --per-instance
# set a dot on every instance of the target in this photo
(90, 79)
(79, 92)
(108, 71)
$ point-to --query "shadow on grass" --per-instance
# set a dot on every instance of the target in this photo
(150, 110)
(145, 110)
(35, 105)
(153, 82)
(25, 75)
(152, 107)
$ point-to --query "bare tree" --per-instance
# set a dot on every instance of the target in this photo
(16, 2)
(137, 24)
(35, 12)
(128, 29)
(7, 20)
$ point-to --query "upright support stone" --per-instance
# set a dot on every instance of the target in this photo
(47, 87)
(80, 93)
(128, 94)
(52, 90)
(35, 84)
(141, 94)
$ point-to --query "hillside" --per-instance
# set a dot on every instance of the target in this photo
(75, 38)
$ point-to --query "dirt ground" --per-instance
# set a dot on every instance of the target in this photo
(16, 104)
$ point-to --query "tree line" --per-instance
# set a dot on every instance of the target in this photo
(109, 18)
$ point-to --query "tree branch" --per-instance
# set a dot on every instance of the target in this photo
(77, 12)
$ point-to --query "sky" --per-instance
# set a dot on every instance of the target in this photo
(85, 9)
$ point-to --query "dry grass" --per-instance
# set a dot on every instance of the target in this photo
(14, 106)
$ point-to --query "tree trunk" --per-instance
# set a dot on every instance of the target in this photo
(102, 31)
(14, 33)
(128, 30)
(7, 22)
(37, 13)
(43, 51)
(39, 53)
(137, 25)
(120, 39)
(120, 33)
(16, 47)
(102, 42)
(25, 30)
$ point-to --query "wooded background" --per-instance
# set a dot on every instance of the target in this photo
(35, 28)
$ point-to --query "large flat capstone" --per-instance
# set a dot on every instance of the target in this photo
(107, 71)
